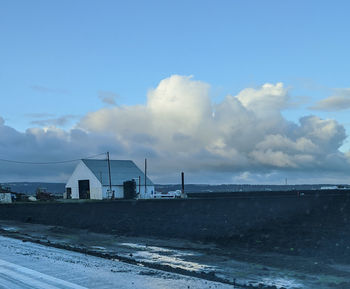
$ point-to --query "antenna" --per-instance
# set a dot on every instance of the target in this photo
(183, 183)
(109, 175)
(145, 177)
(139, 185)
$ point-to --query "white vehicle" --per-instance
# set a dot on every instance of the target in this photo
(168, 195)
(338, 187)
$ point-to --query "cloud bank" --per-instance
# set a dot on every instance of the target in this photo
(181, 128)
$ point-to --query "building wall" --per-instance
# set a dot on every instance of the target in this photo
(149, 192)
(99, 192)
(118, 192)
(82, 172)
(5, 198)
(140, 190)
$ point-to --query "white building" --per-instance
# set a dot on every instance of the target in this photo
(90, 180)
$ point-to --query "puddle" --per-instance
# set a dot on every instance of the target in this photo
(9, 229)
(166, 256)
(279, 282)
(344, 268)
(144, 247)
(172, 261)
(160, 249)
(98, 248)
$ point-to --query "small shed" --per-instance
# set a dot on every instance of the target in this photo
(90, 180)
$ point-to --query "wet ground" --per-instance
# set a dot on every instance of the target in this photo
(26, 265)
(252, 260)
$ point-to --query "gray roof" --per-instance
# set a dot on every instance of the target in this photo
(121, 171)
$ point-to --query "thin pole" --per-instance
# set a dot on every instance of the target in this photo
(109, 174)
(139, 185)
(145, 177)
(183, 183)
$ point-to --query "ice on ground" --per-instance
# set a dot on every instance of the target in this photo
(171, 257)
(84, 270)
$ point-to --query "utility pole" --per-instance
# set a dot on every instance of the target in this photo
(182, 184)
(145, 177)
(109, 175)
(139, 186)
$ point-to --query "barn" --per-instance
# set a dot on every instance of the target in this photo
(90, 180)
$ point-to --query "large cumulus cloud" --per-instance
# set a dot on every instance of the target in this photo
(181, 128)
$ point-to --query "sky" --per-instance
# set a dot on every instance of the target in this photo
(226, 91)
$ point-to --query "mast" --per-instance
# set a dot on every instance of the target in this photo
(182, 184)
(139, 186)
(109, 175)
(145, 177)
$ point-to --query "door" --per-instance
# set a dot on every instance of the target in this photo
(69, 193)
(84, 189)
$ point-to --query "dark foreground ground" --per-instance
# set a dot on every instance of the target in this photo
(251, 261)
(213, 219)
(283, 241)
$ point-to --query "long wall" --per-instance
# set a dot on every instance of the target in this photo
(183, 218)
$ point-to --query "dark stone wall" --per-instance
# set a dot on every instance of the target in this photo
(204, 219)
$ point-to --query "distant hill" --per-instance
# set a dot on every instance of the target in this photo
(58, 188)
(29, 188)
(202, 188)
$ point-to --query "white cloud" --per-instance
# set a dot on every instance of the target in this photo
(184, 128)
(54, 121)
(108, 97)
(268, 98)
(180, 128)
(339, 101)
(45, 145)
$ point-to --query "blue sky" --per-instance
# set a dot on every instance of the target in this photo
(58, 57)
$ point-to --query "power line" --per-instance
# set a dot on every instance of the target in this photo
(49, 163)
